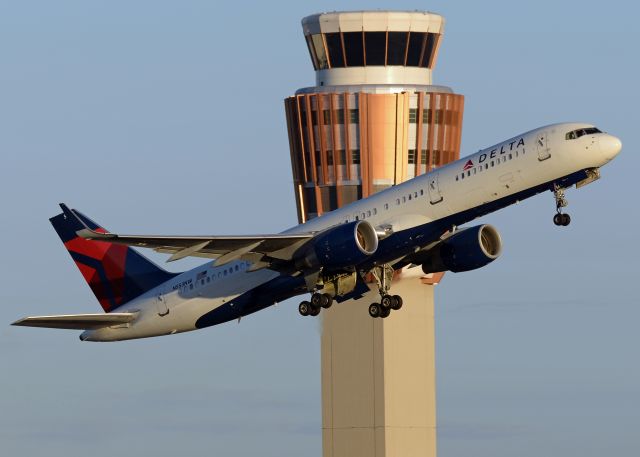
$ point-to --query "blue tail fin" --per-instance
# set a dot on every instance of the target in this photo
(115, 273)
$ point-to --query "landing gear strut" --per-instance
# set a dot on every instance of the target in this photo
(560, 218)
(383, 276)
(313, 307)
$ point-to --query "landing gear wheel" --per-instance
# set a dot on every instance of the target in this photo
(316, 300)
(374, 310)
(387, 301)
(327, 301)
(314, 311)
(562, 219)
(385, 312)
(396, 302)
(304, 308)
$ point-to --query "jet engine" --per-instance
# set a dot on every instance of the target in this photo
(339, 247)
(465, 250)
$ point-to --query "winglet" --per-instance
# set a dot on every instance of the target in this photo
(87, 233)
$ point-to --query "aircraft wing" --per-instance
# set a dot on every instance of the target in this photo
(77, 321)
(222, 248)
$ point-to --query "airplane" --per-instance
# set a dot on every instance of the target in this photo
(416, 223)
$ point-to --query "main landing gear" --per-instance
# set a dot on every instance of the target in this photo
(560, 218)
(383, 276)
(388, 303)
(313, 307)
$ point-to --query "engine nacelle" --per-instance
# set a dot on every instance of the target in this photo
(339, 247)
(465, 250)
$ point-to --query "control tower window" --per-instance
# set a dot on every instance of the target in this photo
(334, 47)
(397, 48)
(353, 49)
(416, 48)
(321, 55)
(375, 47)
(312, 53)
(429, 49)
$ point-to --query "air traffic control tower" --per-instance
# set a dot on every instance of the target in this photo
(374, 119)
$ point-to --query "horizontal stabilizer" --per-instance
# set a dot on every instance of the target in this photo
(77, 321)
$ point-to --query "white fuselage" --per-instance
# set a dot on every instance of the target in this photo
(506, 169)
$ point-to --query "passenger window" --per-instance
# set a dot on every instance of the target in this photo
(421, 191)
(362, 215)
(368, 213)
(510, 156)
(492, 163)
(415, 194)
(208, 279)
(225, 272)
(468, 172)
(237, 268)
(191, 286)
(404, 199)
(475, 171)
(462, 176)
(457, 177)
(386, 206)
(409, 196)
(375, 211)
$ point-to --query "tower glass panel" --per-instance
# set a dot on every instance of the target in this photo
(397, 48)
(353, 48)
(416, 46)
(375, 47)
(334, 47)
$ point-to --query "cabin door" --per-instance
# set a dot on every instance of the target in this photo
(542, 143)
(435, 196)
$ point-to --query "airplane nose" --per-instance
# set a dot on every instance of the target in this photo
(610, 146)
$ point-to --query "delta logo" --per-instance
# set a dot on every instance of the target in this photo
(468, 165)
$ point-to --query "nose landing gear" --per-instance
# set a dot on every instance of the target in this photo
(560, 218)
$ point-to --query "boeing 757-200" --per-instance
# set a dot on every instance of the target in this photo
(416, 223)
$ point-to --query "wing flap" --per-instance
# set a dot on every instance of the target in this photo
(77, 321)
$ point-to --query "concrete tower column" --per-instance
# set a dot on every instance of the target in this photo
(373, 120)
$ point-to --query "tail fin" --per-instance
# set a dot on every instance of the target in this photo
(115, 273)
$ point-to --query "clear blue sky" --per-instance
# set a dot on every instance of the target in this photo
(167, 117)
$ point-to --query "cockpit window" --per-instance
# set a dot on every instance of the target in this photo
(580, 132)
